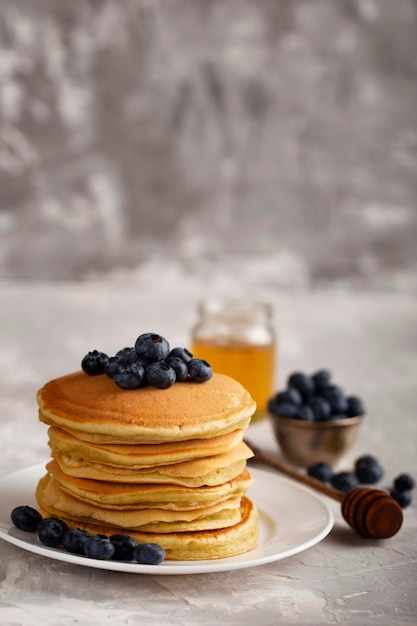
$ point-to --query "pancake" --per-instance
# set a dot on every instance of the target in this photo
(57, 503)
(193, 545)
(141, 455)
(142, 496)
(193, 473)
(215, 476)
(188, 410)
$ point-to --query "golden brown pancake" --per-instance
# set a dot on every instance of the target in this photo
(142, 496)
(187, 410)
(52, 499)
(195, 473)
(141, 455)
(215, 476)
(193, 545)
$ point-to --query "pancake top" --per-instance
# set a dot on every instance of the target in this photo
(95, 404)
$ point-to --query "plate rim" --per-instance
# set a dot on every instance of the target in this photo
(242, 561)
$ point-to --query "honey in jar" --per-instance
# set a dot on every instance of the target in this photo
(236, 337)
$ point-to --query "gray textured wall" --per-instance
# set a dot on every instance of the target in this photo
(204, 130)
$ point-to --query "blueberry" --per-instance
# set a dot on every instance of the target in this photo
(149, 553)
(321, 408)
(336, 398)
(291, 395)
(321, 380)
(303, 383)
(355, 406)
(94, 363)
(365, 459)
(99, 547)
(179, 366)
(26, 518)
(304, 413)
(344, 481)
(74, 540)
(160, 375)
(130, 376)
(124, 546)
(181, 353)
(128, 355)
(369, 474)
(402, 497)
(51, 531)
(281, 404)
(368, 470)
(320, 470)
(404, 482)
(152, 347)
(113, 365)
(199, 370)
(272, 406)
(283, 409)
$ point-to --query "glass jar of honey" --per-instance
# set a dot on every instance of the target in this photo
(236, 338)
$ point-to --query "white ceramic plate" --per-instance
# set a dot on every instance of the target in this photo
(291, 518)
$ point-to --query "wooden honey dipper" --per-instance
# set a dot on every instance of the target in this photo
(371, 512)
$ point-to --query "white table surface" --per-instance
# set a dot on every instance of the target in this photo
(369, 341)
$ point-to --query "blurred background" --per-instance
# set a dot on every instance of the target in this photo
(270, 141)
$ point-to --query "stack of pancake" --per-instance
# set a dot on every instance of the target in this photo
(164, 466)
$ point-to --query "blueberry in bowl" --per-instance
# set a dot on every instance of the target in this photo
(314, 420)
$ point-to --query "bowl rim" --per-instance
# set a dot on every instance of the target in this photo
(297, 423)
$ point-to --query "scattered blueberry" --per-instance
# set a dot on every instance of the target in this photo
(365, 459)
(355, 406)
(130, 376)
(199, 370)
(321, 380)
(152, 347)
(402, 497)
(51, 531)
(74, 541)
(368, 469)
(94, 363)
(404, 482)
(124, 547)
(344, 481)
(303, 383)
(149, 553)
(160, 375)
(321, 471)
(182, 353)
(26, 518)
(179, 366)
(99, 547)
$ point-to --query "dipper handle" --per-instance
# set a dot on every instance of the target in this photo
(372, 513)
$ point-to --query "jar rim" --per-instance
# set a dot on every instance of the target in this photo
(235, 307)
